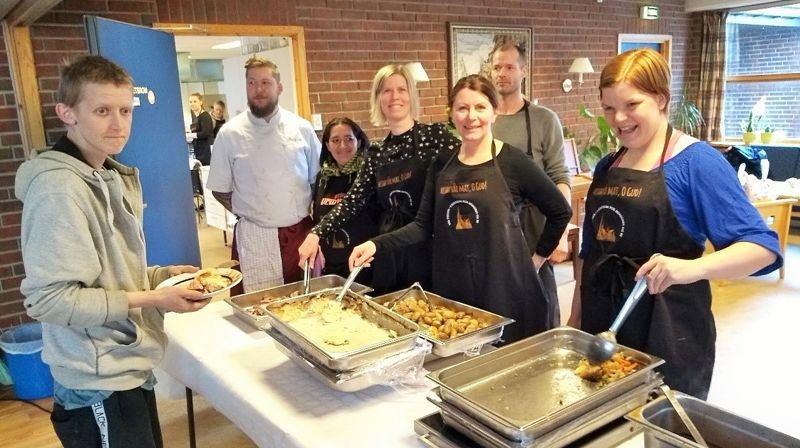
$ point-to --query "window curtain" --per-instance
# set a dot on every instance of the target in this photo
(712, 73)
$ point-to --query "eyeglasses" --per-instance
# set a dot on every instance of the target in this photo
(336, 141)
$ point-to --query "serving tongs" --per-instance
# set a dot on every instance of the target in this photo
(349, 282)
(306, 279)
(416, 285)
(676, 404)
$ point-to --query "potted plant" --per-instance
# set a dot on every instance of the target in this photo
(687, 116)
(749, 128)
(766, 134)
(600, 143)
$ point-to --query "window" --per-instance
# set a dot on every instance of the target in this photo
(761, 63)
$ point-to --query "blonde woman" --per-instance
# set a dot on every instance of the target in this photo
(203, 127)
(392, 178)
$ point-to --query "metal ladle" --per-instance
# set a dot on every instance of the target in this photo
(676, 404)
(604, 344)
(350, 279)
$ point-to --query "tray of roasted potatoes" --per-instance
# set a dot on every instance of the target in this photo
(452, 327)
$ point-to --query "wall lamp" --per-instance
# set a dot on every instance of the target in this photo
(418, 71)
(579, 66)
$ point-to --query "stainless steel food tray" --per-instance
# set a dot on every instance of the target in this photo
(561, 436)
(720, 428)
(466, 342)
(242, 303)
(343, 382)
(406, 330)
(526, 389)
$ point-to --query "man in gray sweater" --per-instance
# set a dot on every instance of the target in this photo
(86, 277)
(537, 131)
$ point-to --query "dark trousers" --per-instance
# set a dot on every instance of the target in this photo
(125, 419)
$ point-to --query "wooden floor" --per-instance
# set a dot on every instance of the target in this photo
(757, 321)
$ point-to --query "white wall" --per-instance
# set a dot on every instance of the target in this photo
(234, 84)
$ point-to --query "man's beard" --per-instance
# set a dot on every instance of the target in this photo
(262, 112)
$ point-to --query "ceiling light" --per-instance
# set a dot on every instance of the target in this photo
(227, 45)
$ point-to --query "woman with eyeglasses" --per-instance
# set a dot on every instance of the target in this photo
(392, 179)
(344, 149)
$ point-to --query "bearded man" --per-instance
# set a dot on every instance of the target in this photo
(263, 166)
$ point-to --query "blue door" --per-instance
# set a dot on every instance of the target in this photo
(157, 145)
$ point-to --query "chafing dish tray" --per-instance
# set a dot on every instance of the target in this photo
(405, 331)
(563, 435)
(250, 306)
(350, 381)
(468, 342)
(663, 427)
(527, 389)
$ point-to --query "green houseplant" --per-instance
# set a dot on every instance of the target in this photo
(750, 127)
(687, 116)
(600, 143)
(766, 134)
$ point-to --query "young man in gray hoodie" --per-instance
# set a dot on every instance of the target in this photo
(87, 279)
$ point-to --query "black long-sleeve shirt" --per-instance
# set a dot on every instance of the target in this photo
(433, 139)
(525, 180)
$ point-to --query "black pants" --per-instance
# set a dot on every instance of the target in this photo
(125, 419)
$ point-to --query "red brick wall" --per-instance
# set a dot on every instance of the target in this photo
(346, 41)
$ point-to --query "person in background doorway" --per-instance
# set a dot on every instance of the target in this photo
(537, 131)
(649, 211)
(264, 165)
(470, 209)
(203, 127)
(86, 277)
(218, 114)
(392, 179)
(344, 150)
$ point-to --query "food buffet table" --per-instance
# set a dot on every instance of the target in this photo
(239, 370)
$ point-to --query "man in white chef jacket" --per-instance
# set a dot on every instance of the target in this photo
(264, 163)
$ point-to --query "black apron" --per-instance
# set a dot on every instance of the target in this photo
(399, 189)
(633, 219)
(337, 246)
(533, 221)
(480, 256)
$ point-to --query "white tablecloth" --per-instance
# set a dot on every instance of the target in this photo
(243, 375)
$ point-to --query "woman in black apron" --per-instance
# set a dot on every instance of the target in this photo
(392, 179)
(471, 209)
(344, 148)
(637, 207)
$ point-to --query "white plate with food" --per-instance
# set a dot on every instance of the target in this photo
(210, 281)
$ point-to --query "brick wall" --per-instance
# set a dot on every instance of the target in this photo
(346, 41)
(759, 49)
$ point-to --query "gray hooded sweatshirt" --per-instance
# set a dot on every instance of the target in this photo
(83, 249)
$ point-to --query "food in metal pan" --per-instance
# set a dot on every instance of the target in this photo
(335, 326)
(439, 321)
(211, 280)
(618, 367)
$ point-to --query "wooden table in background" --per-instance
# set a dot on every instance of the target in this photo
(778, 214)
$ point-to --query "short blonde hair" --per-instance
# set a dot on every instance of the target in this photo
(645, 69)
(259, 62)
(376, 116)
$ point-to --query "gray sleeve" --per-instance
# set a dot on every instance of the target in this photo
(547, 126)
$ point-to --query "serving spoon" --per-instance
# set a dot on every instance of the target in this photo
(604, 345)
(306, 279)
(350, 279)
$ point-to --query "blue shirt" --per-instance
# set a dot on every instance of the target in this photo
(709, 203)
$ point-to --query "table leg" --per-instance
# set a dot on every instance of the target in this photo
(190, 416)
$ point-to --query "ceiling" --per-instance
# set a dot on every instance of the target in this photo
(199, 47)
